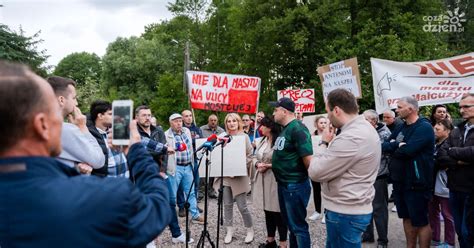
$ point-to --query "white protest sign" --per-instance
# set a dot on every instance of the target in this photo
(430, 82)
(303, 98)
(342, 74)
(235, 158)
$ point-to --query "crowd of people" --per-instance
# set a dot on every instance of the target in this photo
(64, 183)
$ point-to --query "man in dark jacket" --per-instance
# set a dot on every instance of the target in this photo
(147, 130)
(100, 120)
(458, 154)
(380, 202)
(411, 171)
(44, 203)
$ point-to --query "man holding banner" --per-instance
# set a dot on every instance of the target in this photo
(291, 158)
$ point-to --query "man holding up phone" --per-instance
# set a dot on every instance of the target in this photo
(78, 145)
(49, 202)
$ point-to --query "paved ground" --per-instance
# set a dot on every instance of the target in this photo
(317, 230)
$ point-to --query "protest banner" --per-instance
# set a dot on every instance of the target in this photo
(342, 74)
(235, 159)
(223, 92)
(303, 98)
(430, 82)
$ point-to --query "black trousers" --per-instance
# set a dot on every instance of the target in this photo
(273, 220)
(316, 195)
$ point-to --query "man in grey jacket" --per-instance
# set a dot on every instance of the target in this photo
(346, 165)
(79, 148)
(380, 202)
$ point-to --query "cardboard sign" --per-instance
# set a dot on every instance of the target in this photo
(342, 74)
(223, 92)
(235, 159)
(430, 82)
(303, 98)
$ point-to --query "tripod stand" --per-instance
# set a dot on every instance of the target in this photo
(205, 232)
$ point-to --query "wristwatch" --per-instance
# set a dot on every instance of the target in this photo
(322, 142)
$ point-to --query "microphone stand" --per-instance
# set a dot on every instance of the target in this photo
(205, 232)
(220, 219)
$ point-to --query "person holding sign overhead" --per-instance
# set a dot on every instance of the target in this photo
(236, 188)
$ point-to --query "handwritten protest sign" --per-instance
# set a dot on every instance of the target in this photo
(223, 92)
(430, 82)
(342, 74)
(303, 98)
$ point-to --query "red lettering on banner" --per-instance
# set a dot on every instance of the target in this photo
(200, 79)
(463, 65)
(448, 82)
(297, 94)
(219, 83)
(243, 83)
(216, 97)
(464, 68)
(196, 94)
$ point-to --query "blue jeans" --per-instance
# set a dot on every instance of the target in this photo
(174, 225)
(345, 230)
(293, 199)
(458, 203)
(180, 199)
(184, 178)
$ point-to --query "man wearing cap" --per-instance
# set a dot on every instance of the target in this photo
(290, 161)
(180, 169)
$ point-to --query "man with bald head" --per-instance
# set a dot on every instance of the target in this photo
(44, 202)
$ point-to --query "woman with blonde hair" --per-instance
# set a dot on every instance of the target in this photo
(236, 188)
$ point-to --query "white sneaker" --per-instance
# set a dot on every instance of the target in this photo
(182, 239)
(394, 209)
(314, 216)
(323, 220)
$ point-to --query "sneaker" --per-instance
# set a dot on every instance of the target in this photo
(182, 212)
(181, 239)
(200, 210)
(436, 243)
(268, 244)
(212, 194)
(323, 220)
(394, 209)
(199, 220)
(382, 246)
(314, 216)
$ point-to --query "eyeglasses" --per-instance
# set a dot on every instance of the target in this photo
(245, 120)
(465, 106)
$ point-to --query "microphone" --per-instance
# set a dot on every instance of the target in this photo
(224, 140)
(208, 145)
(180, 147)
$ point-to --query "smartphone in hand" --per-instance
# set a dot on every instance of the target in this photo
(122, 115)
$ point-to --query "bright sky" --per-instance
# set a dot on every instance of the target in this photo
(69, 26)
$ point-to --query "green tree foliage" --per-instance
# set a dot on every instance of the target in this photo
(80, 67)
(132, 66)
(282, 42)
(15, 46)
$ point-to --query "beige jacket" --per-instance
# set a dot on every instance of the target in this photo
(265, 188)
(240, 184)
(348, 167)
